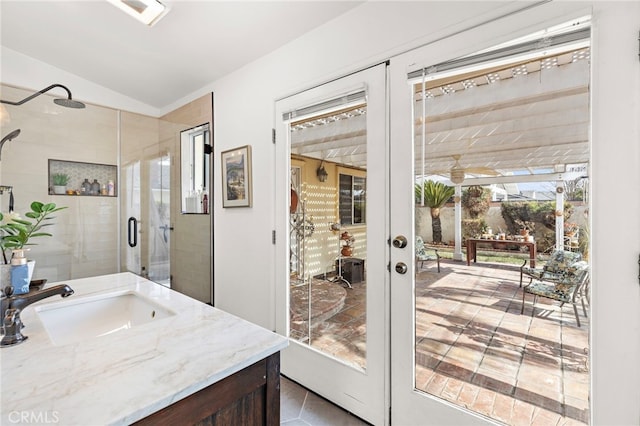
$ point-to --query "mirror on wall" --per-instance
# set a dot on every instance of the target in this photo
(195, 148)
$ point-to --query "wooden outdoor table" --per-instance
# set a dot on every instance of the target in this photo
(473, 243)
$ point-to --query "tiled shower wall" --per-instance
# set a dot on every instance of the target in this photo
(191, 246)
(79, 172)
(85, 234)
(84, 241)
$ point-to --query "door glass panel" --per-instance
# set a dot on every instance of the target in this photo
(195, 148)
(328, 233)
(145, 208)
(502, 180)
(159, 219)
(130, 192)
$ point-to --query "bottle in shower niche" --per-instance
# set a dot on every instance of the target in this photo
(85, 188)
(111, 188)
(205, 204)
(95, 187)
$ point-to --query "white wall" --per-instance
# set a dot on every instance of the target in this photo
(364, 36)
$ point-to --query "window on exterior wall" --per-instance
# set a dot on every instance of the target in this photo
(352, 199)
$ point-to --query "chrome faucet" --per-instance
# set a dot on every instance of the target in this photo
(11, 305)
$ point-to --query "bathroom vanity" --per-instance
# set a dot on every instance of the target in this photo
(124, 350)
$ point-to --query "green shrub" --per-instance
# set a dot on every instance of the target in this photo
(476, 200)
(539, 217)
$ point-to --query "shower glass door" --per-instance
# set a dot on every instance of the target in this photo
(145, 190)
(130, 190)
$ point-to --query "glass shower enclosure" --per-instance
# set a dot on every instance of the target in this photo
(146, 199)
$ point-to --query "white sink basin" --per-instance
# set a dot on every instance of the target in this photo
(84, 318)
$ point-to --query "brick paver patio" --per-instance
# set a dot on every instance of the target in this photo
(475, 349)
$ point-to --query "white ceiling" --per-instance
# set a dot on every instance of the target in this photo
(196, 43)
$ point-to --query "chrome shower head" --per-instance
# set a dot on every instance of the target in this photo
(69, 103)
(7, 138)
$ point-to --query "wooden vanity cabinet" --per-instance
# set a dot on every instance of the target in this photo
(249, 397)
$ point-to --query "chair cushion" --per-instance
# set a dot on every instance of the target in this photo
(420, 250)
(560, 286)
(426, 257)
(561, 260)
(561, 292)
(533, 272)
(578, 271)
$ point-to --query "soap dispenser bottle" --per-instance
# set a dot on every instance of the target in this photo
(85, 188)
(19, 272)
(95, 187)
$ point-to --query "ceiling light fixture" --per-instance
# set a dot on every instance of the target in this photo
(146, 11)
(457, 172)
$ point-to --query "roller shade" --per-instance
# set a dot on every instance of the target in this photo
(336, 103)
(528, 47)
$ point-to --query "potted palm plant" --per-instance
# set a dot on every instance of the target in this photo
(60, 181)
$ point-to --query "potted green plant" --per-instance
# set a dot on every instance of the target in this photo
(60, 181)
(17, 232)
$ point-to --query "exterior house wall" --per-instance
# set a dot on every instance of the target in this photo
(321, 201)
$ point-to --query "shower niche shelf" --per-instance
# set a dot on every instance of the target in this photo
(78, 171)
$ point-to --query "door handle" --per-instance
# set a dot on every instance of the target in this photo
(132, 231)
(400, 241)
(401, 268)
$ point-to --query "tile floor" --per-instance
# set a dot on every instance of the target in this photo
(475, 349)
(299, 407)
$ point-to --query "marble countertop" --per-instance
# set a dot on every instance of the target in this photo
(125, 376)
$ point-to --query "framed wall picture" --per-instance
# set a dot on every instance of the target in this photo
(236, 177)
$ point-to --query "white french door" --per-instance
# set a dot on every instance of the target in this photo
(332, 229)
(414, 406)
(387, 377)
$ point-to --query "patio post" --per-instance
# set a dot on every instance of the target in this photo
(457, 252)
(559, 214)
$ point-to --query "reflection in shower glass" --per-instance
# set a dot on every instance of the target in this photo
(159, 219)
(328, 233)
